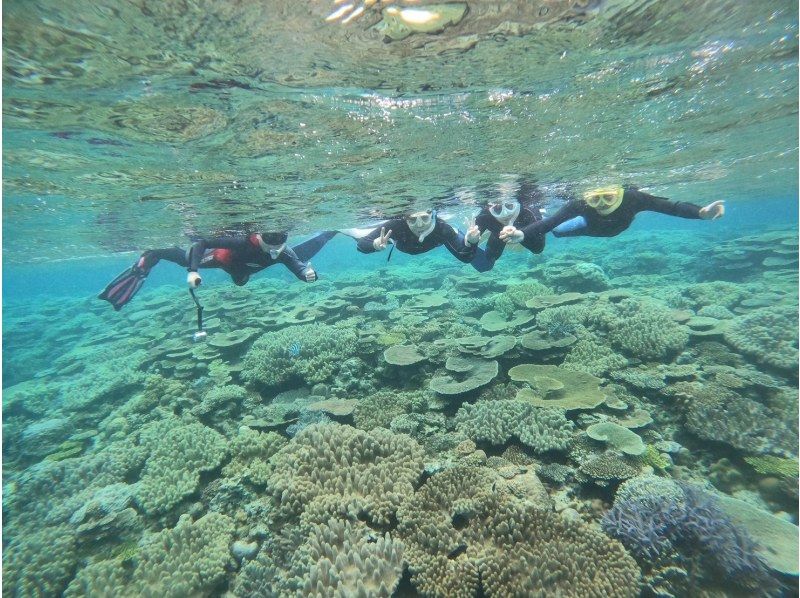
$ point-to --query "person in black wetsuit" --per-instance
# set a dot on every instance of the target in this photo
(518, 212)
(239, 256)
(417, 233)
(608, 212)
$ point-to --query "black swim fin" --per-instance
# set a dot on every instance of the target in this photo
(308, 249)
(122, 289)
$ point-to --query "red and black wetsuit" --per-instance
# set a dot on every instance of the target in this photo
(610, 225)
(238, 256)
(407, 242)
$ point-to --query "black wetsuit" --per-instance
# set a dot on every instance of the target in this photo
(598, 225)
(494, 246)
(407, 242)
(238, 256)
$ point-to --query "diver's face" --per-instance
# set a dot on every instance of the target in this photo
(504, 211)
(601, 201)
(274, 249)
(419, 222)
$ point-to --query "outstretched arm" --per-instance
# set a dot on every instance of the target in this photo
(296, 266)
(662, 205)
(568, 211)
(376, 240)
(455, 243)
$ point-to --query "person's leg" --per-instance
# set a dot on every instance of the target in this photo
(574, 227)
(171, 254)
(308, 249)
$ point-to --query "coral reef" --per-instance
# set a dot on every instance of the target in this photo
(541, 428)
(323, 348)
(483, 421)
(330, 469)
(461, 531)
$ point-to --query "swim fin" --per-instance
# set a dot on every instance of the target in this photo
(122, 289)
(308, 249)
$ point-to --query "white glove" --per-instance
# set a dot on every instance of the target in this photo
(310, 273)
(713, 210)
(193, 280)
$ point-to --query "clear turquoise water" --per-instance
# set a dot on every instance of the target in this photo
(136, 462)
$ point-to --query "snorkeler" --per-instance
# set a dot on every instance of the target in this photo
(420, 232)
(238, 256)
(517, 212)
(608, 212)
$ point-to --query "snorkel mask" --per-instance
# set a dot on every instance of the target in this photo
(605, 200)
(421, 224)
(272, 243)
(505, 212)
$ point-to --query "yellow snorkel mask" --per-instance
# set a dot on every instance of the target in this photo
(604, 200)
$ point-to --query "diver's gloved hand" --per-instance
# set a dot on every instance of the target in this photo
(473, 234)
(511, 234)
(193, 280)
(310, 273)
(712, 211)
(383, 239)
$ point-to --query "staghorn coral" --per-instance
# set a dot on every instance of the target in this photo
(656, 524)
(323, 348)
(332, 469)
(464, 532)
(177, 454)
(769, 335)
(541, 428)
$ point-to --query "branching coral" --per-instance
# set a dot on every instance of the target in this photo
(541, 428)
(328, 469)
(178, 453)
(653, 526)
(463, 531)
(769, 335)
(321, 349)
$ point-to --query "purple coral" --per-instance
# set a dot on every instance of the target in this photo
(655, 526)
